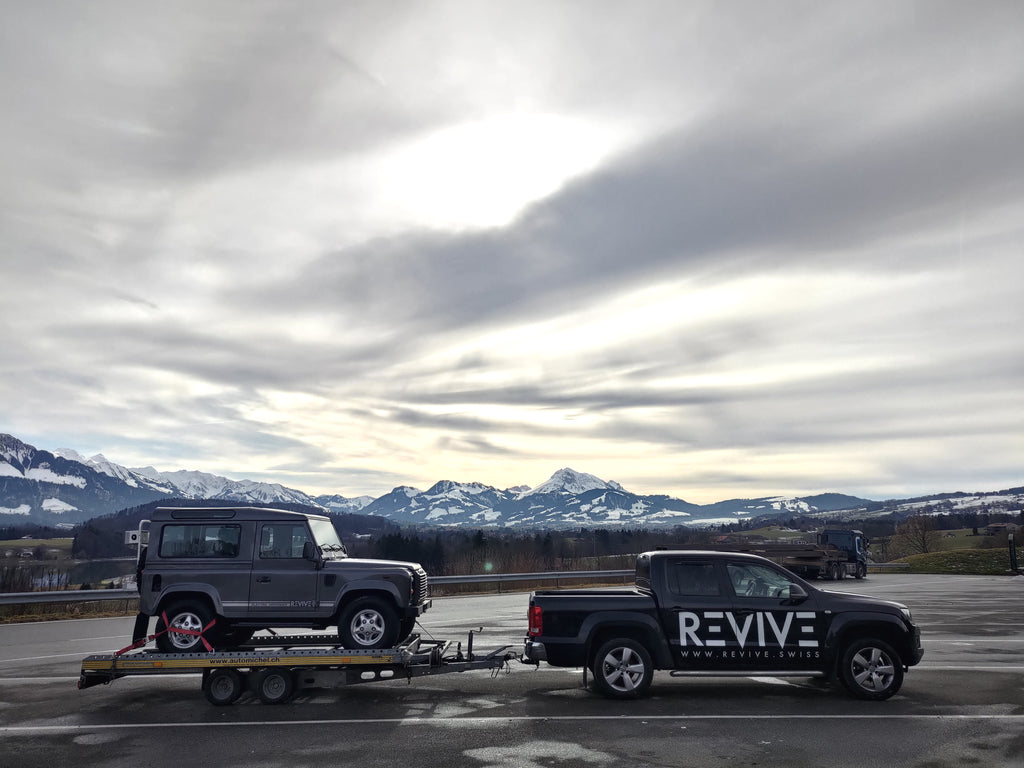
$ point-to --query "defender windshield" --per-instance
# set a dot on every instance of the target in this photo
(327, 538)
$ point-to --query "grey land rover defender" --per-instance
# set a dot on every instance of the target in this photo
(214, 576)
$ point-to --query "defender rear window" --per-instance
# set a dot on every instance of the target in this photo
(200, 540)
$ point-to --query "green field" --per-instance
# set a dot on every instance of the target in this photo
(62, 544)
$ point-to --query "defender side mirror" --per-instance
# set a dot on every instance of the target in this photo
(309, 552)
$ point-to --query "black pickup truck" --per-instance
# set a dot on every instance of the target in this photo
(720, 614)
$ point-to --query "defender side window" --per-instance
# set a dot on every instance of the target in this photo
(282, 541)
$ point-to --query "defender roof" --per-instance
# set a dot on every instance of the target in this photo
(241, 514)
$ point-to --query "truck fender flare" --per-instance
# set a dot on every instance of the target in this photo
(647, 626)
(866, 623)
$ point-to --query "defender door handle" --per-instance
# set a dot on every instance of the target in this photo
(262, 579)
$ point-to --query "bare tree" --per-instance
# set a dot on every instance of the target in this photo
(917, 535)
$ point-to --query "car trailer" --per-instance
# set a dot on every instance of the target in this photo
(276, 667)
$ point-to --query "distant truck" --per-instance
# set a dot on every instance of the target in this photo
(722, 614)
(836, 554)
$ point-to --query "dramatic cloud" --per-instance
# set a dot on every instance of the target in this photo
(712, 250)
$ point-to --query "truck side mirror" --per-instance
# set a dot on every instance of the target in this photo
(797, 594)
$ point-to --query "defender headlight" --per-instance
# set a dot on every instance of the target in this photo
(906, 614)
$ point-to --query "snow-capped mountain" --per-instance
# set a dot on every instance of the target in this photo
(570, 481)
(63, 487)
(567, 499)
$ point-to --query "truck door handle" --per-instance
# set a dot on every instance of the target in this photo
(262, 579)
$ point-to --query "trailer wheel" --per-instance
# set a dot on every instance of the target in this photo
(871, 669)
(623, 669)
(369, 622)
(837, 571)
(223, 686)
(190, 615)
(274, 686)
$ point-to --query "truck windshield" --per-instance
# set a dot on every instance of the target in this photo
(327, 538)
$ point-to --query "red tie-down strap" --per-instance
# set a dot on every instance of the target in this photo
(143, 640)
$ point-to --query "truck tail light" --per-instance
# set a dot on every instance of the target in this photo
(536, 621)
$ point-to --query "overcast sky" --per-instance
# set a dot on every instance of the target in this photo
(714, 250)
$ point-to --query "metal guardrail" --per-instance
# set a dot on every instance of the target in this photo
(85, 595)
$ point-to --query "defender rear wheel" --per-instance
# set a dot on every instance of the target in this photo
(623, 669)
(191, 617)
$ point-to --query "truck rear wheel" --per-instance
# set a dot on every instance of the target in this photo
(871, 669)
(623, 669)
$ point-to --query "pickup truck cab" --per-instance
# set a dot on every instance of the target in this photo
(215, 575)
(719, 614)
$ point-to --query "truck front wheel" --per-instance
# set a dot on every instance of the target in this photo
(871, 669)
(623, 669)
(369, 622)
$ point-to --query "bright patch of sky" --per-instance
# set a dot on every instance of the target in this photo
(710, 250)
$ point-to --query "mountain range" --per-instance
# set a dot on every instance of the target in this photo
(62, 488)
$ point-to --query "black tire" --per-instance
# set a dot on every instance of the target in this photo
(368, 622)
(862, 571)
(223, 686)
(274, 686)
(871, 669)
(623, 669)
(191, 615)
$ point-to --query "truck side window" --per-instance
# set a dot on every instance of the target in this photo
(282, 541)
(757, 581)
(693, 579)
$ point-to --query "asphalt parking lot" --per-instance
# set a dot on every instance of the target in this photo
(964, 705)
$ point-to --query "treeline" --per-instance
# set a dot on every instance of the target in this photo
(460, 552)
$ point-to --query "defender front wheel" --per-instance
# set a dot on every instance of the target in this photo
(369, 622)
